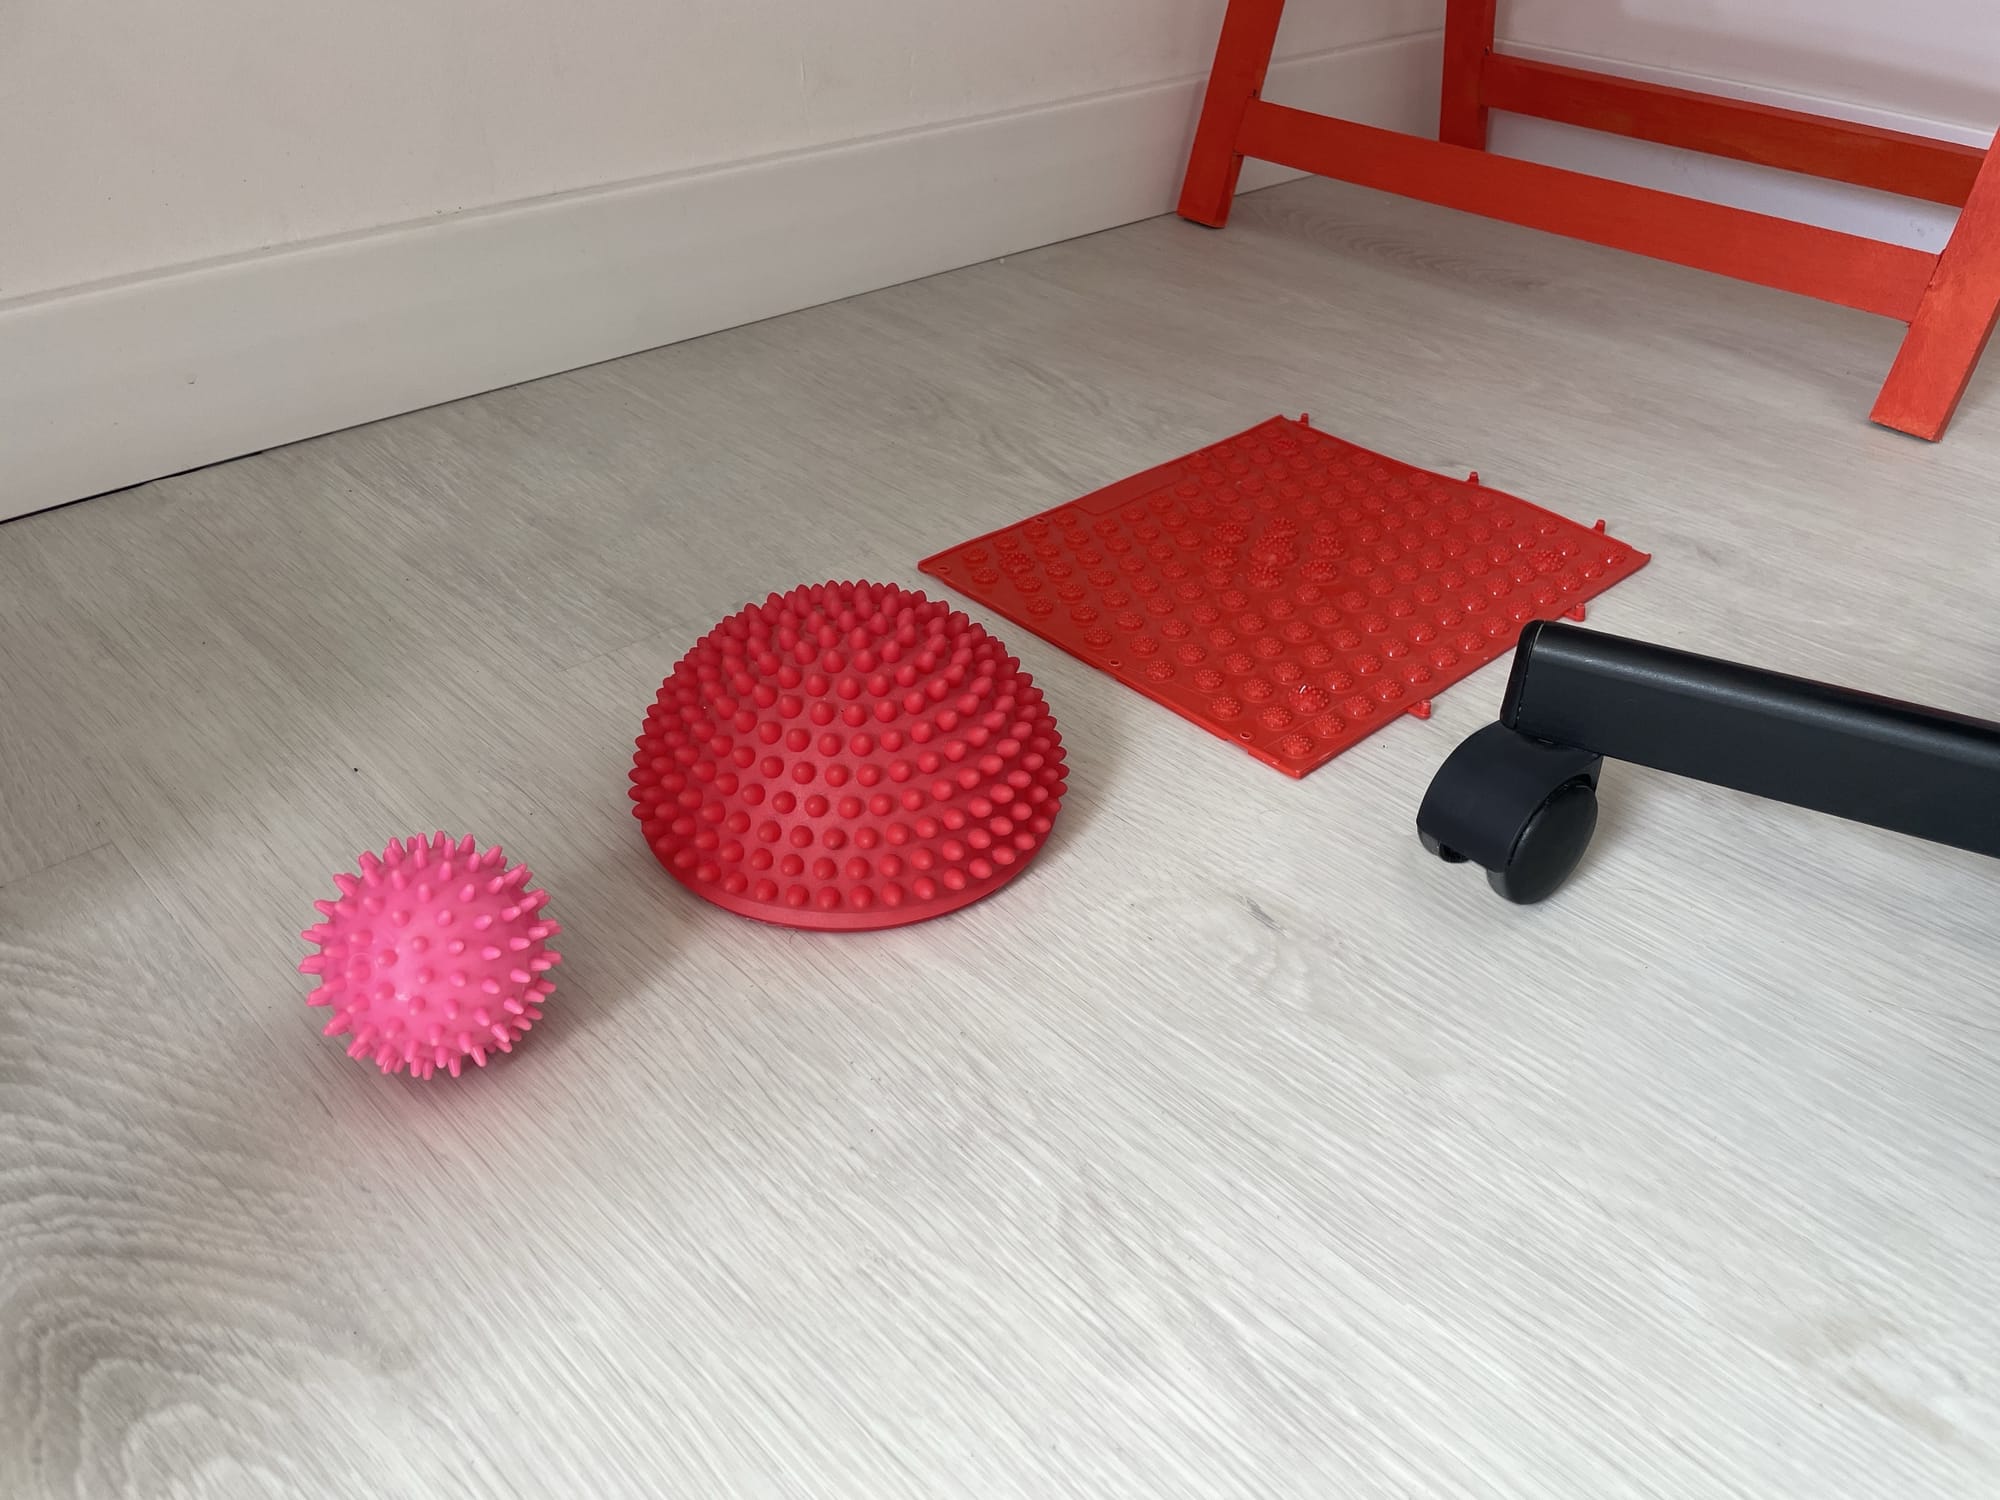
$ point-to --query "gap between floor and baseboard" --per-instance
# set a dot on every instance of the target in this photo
(106, 386)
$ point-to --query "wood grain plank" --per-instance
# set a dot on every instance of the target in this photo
(1238, 1151)
(47, 801)
(175, 1313)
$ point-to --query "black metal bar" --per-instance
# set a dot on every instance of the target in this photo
(1876, 760)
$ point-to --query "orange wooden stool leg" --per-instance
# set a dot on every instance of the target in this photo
(1954, 319)
(1242, 57)
(1468, 37)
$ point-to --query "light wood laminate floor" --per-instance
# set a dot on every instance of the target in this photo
(1237, 1150)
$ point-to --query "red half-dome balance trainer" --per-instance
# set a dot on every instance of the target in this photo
(847, 756)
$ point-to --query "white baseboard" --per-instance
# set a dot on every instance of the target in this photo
(1833, 205)
(108, 385)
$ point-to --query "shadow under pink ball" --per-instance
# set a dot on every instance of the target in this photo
(434, 953)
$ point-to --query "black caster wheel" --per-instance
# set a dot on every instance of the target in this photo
(1550, 845)
(1519, 798)
(1523, 810)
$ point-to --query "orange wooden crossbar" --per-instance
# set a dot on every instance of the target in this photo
(1782, 253)
(1950, 301)
(1912, 165)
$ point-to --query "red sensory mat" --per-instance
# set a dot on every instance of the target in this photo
(1286, 589)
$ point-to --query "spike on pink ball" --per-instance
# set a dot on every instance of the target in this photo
(407, 992)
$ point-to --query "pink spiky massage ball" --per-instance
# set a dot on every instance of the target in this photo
(435, 953)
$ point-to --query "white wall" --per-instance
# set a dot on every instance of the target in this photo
(234, 223)
(135, 136)
(1931, 67)
(228, 224)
